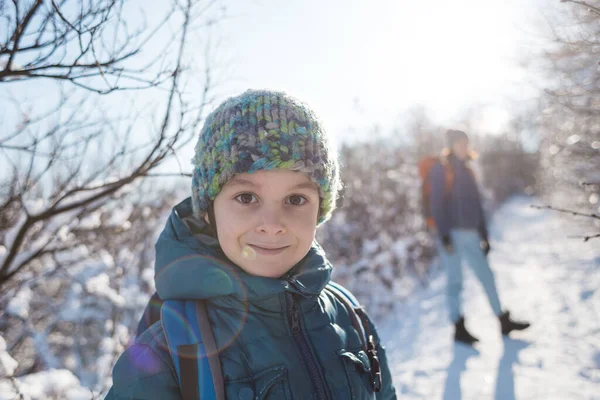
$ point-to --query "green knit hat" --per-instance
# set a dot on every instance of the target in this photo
(263, 130)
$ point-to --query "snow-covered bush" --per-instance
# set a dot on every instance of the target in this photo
(376, 239)
(570, 129)
(69, 317)
(506, 168)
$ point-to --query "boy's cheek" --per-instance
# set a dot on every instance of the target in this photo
(227, 237)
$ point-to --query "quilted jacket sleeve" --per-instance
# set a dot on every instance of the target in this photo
(145, 371)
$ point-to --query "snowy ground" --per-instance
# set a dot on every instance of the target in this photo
(543, 276)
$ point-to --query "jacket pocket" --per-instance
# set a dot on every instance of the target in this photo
(271, 383)
(358, 372)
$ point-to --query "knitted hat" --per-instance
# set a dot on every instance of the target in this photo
(263, 130)
(453, 136)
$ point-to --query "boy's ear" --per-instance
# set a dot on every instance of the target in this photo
(209, 217)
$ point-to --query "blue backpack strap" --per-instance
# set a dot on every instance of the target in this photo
(351, 304)
(359, 319)
(193, 349)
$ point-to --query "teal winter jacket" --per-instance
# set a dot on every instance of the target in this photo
(252, 319)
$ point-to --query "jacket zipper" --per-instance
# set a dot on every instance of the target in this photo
(305, 351)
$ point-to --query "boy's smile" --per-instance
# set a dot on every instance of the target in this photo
(266, 250)
(266, 221)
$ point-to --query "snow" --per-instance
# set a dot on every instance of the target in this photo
(120, 216)
(35, 206)
(91, 221)
(19, 305)
(10, 235)
(147, 277)
(543, 276)
(54, 383)
(8, 365)
(100, 285)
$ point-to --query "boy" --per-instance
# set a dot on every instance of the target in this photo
(264, 178)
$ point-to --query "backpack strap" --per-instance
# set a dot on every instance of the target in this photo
(193, 349)
(360, 321)
(350, 304)
(212, 350)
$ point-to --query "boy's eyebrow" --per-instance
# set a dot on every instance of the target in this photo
(306, 185)
(245, 182)
(240, 181)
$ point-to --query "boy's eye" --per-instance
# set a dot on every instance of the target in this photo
(246, 198)
(296, 200)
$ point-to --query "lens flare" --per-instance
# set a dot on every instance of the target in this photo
(248, 253)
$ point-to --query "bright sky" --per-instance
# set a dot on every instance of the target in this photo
(364, 63)
(360, 63)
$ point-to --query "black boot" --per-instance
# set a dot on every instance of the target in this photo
(508, 325)
(461, 334)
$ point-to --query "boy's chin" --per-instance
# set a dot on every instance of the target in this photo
(267, 273)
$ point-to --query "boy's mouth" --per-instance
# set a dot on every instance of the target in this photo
(268, 250)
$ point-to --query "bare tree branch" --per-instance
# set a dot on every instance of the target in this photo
(21, 26)
(86, 194)
(591, 215)
(590, 7)
(163, 175)
(55, 34)
(15, 386)
(585, 239)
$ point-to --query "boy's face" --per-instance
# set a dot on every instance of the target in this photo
(272, 212)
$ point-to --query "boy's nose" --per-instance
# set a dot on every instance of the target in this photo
(271, 222)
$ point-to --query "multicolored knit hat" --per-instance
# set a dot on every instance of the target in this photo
(263, 130)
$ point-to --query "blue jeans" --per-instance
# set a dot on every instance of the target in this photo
(466, 243)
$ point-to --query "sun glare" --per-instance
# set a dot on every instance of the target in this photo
(447, 57)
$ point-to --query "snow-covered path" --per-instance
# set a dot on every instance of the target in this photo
(543, 276)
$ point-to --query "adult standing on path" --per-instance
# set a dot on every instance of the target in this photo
(457, 211)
